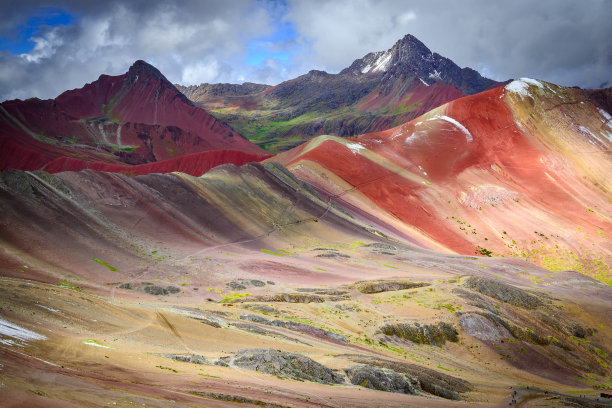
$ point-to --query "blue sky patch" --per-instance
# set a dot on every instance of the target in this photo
(20, 42)
(281, 44)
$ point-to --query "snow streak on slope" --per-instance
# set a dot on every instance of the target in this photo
(468, 135)
(16, 332)
(521, 86)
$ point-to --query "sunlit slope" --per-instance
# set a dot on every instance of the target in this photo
(521, 170)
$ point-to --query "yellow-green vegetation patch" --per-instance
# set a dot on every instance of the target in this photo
(356, 244)
(580, 341)
(209, 375)
(95, 343)
(68, 285)
(229, 297)
(448, 306)
(101, 262)
(267, 251)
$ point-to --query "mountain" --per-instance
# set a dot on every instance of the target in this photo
(135, 118)
(377, 92)
(519, 171)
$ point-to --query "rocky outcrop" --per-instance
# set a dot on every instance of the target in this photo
(188, 358)
(203, 91)
(482, 328)
(282, 364)
(387, 285)
(252, 328)
(242, 284)
(504, 292)
(297, 326)
(382, 379)
(434, 334)
(291, 298)
(429, 381)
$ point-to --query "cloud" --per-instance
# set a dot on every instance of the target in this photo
(191, 43)
(561, 41)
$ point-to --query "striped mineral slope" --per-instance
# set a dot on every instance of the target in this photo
(521, 170)
(229, 287)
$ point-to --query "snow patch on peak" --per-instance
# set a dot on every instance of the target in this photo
(463, 129)
(435, 75)
(521, 86)
(355, 147)
(382, 63)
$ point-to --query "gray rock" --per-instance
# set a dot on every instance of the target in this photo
(155, 290)
(190, 358)
(430, 381)
(285, 364)
(262, 308)
(434, 334)
(378, 286)
(296, 326)
(381, 379)
(482, 328)
(504, 292)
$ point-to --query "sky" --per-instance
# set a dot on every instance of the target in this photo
(47, 47)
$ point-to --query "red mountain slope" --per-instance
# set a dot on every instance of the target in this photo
(135, 118)
(521, 170)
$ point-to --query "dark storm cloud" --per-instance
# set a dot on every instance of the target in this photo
(562, 41)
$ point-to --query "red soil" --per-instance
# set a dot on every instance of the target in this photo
(390, 191)
(194, 164)
(496, 154)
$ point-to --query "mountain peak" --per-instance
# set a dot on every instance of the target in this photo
(141, 67)
(410, 57)
(410, 50)
(410, 42)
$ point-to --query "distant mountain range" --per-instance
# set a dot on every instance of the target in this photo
(379, 91)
